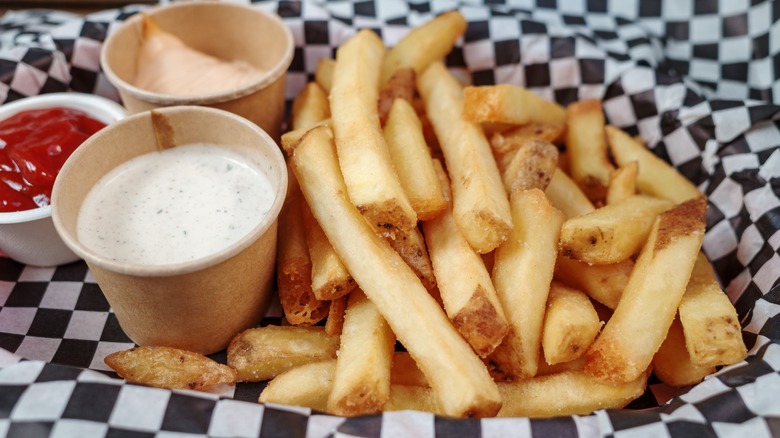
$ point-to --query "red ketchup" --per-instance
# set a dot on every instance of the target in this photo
(34, 145)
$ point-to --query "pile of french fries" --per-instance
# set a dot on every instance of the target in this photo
(530, 259)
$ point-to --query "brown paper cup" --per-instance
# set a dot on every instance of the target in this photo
(224, 30)
(198, 305)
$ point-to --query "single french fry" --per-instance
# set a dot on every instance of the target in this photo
(293, 266)
(612, 233)
(570, 324)
(335, 321)
(672, 364)
(713, 334)
(400, 86)
(371, 180)
(603, 283)
(412, 160)
(170, 368)
(587, 148)
(424, 44)
(329, 277)
(566, 196)
(655, 176)
(480, 206)
(622, 183)
(633, 334)
(308, 385)
(465, 286)
(415, 317)
(532, 166)
(362, 381)
(566, 393)
(291, 138)
(410, 245)
(261, 353)
(310, 107)
(511, 104)
(323, 75)
(522, 273)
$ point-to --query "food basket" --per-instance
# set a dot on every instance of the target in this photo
(698, 81)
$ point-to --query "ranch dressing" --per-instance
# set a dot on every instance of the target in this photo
(174, 206)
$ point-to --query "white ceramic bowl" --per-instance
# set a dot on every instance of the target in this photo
(29, 236)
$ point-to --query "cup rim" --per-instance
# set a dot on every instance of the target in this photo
(101, 108)
(277, 71)
(143, 270)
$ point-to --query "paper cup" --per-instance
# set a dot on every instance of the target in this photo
(198, 305)
(224, 30)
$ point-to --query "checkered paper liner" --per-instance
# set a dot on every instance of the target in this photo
(698, 80)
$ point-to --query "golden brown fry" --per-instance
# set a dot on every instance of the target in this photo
(291, 138)
(566, 393)
(566, 196)
(713, 334)
(308, 385)
(261, 353)
(587, 148)
(633, 334)
(511, 104)
(371, 180)
(603, 283)
(655, 176)
(410, 245)
(612, 233)
(532, 166)
(622, 183)
(329, 277)
(672, 363)
(361, 384)
(171, 368)
(293, 267)
(570, 324)
(415, 317)
(335, 321)
(509, 141)
(405, 371)
(400, 86)
(323, 76)
(310, 107)
(480, 206)
(465, 286)
(522, 272)
(424, 44)
(412, 160)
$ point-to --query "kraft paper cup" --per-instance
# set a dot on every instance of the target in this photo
(224, 30)
(197, 305)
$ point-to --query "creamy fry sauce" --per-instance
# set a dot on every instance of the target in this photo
(174, 206)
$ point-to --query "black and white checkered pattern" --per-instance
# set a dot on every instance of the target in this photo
(699, 80)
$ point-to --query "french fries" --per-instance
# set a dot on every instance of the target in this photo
(399, 87)
(570, 324)
(509, 104)
(672, 364)
(171, 368)
(308, 385)
(713, 335)
(612, 233)
(480, 204)
(330, 279)
(465, 286)
(522, 273)
(415, 317)
(424, 45)
(412, 160)
(532, 166)
(310, 107)
(587, 148)
(323, 76)
(361, 384)
(335, 321)
(566, 196)
(603, 283)
(370, 178)
(655, 176)
(626, 345)
(262, 353)
(622, 183)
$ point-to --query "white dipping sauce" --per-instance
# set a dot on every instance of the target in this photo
(174, 206)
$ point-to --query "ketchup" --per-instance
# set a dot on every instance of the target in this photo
(34, 145)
